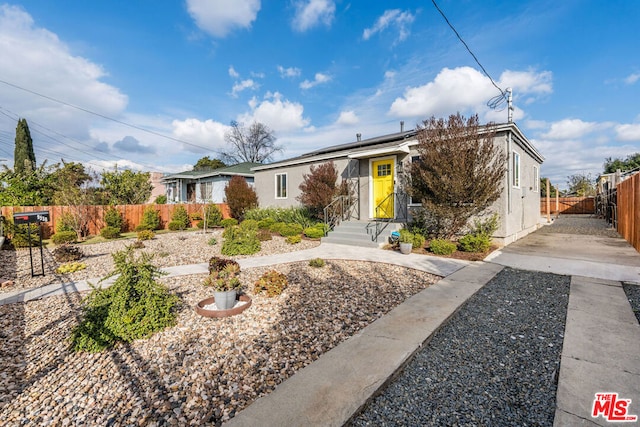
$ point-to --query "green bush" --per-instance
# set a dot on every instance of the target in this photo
(486, 227)
(406, 236)
(134, 307)
(315, 232)
(179, 218)
(212, 241)
(286, 229)
(219, 264)
(195, 216)
(229, 222)
(64, 237)
(113, 218)
(273, 282)
(418, 241)
(150, 219)
(146, 235)
(249, 224)
(160, 200)
(297, 215)
(265, 223)
(475, 243)
(442, 247)
(292, 240)
(264, 235)
(317, 262)
(110, 232)
(240, 242)
(71, 267)
(20, 235)
(212, 216)
(65, 222)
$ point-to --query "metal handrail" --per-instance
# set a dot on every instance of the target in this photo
(380, 223)
(331, 219)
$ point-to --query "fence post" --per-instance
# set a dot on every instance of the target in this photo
(549, 202)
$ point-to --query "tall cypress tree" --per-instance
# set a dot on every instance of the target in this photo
(24, 159)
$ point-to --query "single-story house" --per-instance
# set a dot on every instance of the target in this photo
(204, 186)
(373, 169)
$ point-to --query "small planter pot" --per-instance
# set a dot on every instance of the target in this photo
(225, 300)
(405, 248)
(244, 303)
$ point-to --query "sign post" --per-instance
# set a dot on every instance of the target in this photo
(31, 218)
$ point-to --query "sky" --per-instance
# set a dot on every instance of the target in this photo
(153, 85)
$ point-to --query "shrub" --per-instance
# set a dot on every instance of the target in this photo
(160, 200)
(273, 282)
(297, 215)
(224, 280)
(229, 222)
(474, 243)
(240, 197)
(146, 235)
(317, 262)
(110, 232)
(66, 253)
(240, 242)
(418, 240)
(212, 241)
(150, 219)
(265, 223)
(113, 218)
(318, 188)
(138, 244)
(195, 216)
(212, 216)
(20, 235)
(71, 267)
(315, 232)
(292, 240)
(286, 230)
(179, 218)
(406, 236)
(65, 222)
(486, 227)
(218, 264)
(64, 237)
(249, 224)
(134, 307)
(264, 235)
(442, 247)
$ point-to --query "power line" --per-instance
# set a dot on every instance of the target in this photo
(495, 101)
(106, 117)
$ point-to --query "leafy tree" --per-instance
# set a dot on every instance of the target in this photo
(318, 188)
(23, 156)
(631, 162)
(581, 185)
(240, 197)
(543, 188)
(126, 187)
(254, 144)
(460, 171)
(206, 163)
(71, 188)
(26, 188)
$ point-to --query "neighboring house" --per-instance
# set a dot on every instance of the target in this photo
(158, 186)
(373, 169)
(206, 186)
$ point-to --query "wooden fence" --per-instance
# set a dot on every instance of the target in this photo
(628, 201)
(569, 205)
(131, 214)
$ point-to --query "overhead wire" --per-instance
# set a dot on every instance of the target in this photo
(497, 100)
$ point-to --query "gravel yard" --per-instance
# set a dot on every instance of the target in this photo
(201, 371)
(494, 363)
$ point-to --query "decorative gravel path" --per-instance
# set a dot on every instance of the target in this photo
(494, 363)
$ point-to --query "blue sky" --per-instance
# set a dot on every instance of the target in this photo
(316, 72)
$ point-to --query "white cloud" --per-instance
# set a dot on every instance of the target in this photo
(219, 17)
(389, 74)
(208, 133)
(570, 129)
(289, 72)
(347, 118)
(527, 82)
(319, 79)
(396, 18)
(233, 73)
(278, 114)
(628, 132)
(632, 78)
(244, 84)
(313, 13)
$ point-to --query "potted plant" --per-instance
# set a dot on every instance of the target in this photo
(225, 284)
(406, 241)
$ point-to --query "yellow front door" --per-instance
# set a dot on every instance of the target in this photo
(382, 187)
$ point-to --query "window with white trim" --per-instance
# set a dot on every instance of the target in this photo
(515, 168)
(206, 190)
(536, 179)
(281, 186)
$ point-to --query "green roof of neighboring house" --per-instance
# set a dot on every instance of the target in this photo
(242, 169)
